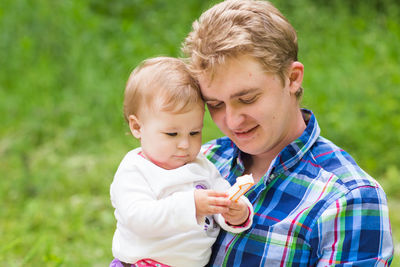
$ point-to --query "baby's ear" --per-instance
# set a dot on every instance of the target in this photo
(135, 126)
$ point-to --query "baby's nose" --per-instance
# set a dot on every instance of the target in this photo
(183, 143)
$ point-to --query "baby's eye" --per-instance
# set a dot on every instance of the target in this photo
(195, 133)
(171, 134)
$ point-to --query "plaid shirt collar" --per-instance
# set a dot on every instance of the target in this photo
(320, 201)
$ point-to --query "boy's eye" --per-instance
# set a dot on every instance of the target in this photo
(248, 100)
(171, 134)
(195, 133)
(214, 105)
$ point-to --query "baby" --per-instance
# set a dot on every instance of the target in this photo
(169, 199)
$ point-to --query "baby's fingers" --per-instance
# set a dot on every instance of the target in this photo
(239, 205)
(212, 193)
(217, 209)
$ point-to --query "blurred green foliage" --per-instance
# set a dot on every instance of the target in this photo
(64, 65)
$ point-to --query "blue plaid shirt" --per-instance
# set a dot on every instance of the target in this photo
(313, 207)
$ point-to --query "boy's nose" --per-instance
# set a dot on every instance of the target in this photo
(233, 118)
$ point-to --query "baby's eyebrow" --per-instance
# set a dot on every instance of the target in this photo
(170, 130)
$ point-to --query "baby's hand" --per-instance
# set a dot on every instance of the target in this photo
(210, 202)
(237, 213)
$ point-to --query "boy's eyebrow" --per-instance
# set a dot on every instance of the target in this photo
(238, 94)
(244, 92)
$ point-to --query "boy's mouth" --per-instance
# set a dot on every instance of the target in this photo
(245, 134)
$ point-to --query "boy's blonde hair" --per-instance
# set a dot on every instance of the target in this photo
(236, 27)
(164, 83)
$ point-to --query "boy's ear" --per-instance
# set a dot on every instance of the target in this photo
(135, 126)
(296, 73)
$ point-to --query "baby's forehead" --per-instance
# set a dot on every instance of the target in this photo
(176, 99)
(184, 119)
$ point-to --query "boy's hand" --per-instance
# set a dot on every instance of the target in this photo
(210, 202)
(237, 213)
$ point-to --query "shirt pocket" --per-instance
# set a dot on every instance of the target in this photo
(277, 243)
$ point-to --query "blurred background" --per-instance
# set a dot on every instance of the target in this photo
(63, 68)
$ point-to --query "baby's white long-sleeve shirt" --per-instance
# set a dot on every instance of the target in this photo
(156, 214)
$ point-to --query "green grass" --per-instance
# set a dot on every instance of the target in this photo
(64, 65)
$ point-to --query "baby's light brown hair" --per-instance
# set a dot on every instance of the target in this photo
(164, 83)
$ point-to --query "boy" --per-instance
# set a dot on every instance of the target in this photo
(315, 206)
(164, 191)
